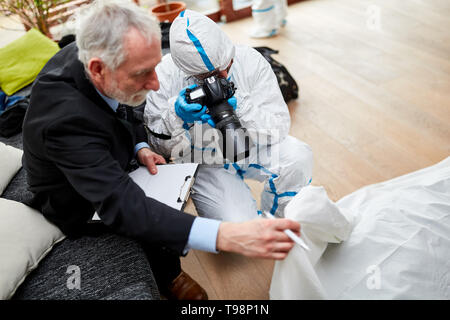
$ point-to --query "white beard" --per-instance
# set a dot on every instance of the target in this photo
(133, 101)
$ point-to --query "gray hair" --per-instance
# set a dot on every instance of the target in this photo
(102, 25)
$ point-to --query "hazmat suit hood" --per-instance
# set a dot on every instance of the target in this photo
(198, 45)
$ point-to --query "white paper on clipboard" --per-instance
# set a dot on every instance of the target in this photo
(171, 185)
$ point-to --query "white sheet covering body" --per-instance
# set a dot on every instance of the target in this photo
(321, 222)
(399, 247)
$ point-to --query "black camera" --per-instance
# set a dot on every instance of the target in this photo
(214, 94)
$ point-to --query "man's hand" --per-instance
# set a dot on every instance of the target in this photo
(150, 159)
(259, 238)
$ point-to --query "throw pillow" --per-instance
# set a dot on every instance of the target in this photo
(25, 239)
(22, 60)
(10, 163)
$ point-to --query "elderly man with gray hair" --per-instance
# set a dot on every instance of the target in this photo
(78, 149)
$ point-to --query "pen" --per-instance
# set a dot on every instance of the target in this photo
(290, 234)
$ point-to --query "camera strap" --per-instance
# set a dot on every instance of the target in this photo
(159, 135)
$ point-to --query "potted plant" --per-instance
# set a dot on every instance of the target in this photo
(32, 13)
(167, 11)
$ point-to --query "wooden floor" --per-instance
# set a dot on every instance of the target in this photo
(374, 104)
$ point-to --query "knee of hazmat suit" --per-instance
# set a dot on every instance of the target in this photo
(198, 45)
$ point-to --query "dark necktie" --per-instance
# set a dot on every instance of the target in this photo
(122, 111)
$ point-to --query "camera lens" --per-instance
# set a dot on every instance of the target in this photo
(235, 141)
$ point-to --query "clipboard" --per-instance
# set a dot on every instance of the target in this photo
(171, 185)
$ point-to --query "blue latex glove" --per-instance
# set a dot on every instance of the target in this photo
(207, 118)
(189, 112)
(233, 102)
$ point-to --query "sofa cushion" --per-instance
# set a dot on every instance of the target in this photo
(22, 60)
(108, 267)
(25, 238)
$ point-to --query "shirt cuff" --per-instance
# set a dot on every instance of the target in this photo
(139, 146)
(203, 235)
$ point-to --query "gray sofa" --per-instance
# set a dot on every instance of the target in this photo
(110, 266)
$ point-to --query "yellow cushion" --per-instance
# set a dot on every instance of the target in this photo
(22, 60)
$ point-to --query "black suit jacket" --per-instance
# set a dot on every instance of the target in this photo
(77, 152)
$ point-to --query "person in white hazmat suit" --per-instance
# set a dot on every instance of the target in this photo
(179, 130)
(268, 17)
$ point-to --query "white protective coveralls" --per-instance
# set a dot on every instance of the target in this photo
(198, 45)
(268, 17)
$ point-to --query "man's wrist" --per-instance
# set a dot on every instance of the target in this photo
(139, 146)
(203, 234)
(221, 242)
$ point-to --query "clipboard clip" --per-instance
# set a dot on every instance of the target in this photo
(186, 179)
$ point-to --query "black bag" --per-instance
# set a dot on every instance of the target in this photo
(288, 86)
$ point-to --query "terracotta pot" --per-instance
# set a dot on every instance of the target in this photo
(167, 12)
